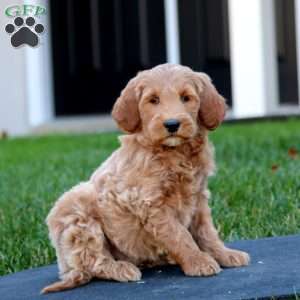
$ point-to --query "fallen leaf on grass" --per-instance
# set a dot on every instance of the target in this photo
(274, 168)
(293, 152)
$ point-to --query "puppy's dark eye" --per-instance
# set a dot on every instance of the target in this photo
(154, 100)
(185, 98)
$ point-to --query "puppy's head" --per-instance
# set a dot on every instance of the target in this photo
(169, 104)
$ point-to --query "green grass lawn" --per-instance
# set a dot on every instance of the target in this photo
(256, 191)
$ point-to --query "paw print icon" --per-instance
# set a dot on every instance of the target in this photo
(24, 32)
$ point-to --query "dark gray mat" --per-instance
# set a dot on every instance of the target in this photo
(274, 272)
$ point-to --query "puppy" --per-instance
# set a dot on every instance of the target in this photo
(147, 204)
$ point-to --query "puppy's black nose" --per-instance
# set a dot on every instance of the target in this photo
(172, 125)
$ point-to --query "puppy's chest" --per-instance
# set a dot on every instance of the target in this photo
(179, 186)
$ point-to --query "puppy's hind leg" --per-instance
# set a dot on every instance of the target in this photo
(86, 253)
(80, 247)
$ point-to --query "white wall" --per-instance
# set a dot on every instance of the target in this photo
(25, 79)
(13, 108)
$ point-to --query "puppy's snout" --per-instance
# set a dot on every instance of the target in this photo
(172, 125)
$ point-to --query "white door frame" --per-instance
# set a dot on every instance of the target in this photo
(172, 31)
(39, 78)
(253, 58)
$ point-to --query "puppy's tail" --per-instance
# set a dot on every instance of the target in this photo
(70, 280)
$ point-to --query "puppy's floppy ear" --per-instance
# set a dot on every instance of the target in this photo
(212, 106)
(125, 111)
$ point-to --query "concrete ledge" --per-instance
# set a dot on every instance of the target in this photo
(274, 272)
(105, 123)
(79, 124)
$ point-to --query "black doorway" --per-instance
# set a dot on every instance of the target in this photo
(98, 46)
(286, 50)
(204, 37)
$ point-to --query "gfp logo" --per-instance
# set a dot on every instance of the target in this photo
(24, 29)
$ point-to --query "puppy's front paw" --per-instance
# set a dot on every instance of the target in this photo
(127, 271)
(203, 265)
(233, 258)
